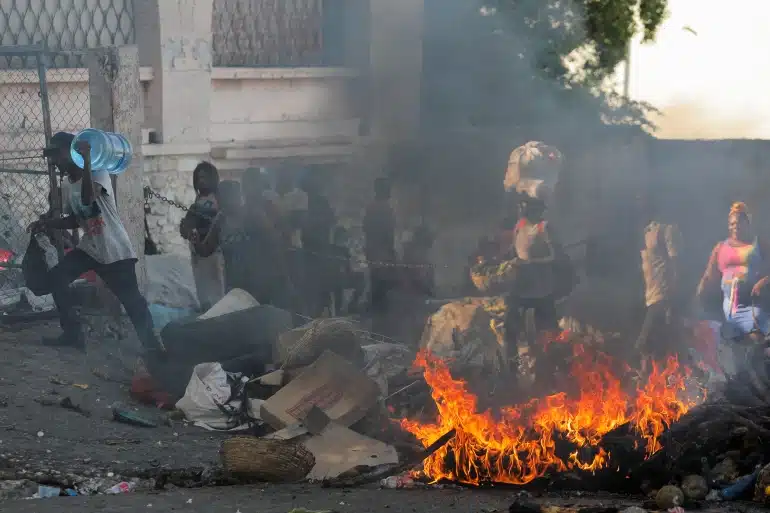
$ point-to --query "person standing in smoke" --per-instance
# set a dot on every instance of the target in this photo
(207, 271)
(316, 245)
(380, 245)
(660, 253)
(264, 242)
(291, 203)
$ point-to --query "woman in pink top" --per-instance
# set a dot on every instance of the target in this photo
(741, 264)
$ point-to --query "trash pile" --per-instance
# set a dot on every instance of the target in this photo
(304, 400)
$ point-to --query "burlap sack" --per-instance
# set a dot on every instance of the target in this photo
(467, 334)
(302, 346)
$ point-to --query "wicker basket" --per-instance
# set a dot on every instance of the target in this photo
(494, 279)
(270, 461)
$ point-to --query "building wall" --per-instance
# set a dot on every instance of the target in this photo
(344, 118)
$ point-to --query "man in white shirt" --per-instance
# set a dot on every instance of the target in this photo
(105, 247)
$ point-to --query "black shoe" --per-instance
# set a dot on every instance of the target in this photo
(66, 340)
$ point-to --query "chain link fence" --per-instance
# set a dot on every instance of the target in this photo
(258, 33)
(24, 178)
(69, 97)
(64, 25)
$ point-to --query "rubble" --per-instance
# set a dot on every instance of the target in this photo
(695, 487)
(669, 496)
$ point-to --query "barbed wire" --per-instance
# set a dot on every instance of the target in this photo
(239, 237)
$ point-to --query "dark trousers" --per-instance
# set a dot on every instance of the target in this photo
(654, 337)
(317, 268)
(120, 278)
(515, 307)
(381, 283)
(355, 281)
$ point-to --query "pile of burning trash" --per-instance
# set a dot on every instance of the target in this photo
(335, 406)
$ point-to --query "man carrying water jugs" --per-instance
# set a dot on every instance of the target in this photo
(105, 247)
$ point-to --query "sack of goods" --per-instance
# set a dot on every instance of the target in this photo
(494, 278)
(302, 346)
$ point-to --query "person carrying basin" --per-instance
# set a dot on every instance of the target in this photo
(89, 204)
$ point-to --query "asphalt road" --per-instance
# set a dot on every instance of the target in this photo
(284, 498)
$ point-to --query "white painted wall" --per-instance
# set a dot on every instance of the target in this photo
(711, 84)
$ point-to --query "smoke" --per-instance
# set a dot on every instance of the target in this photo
(489, 84)
(690, 120)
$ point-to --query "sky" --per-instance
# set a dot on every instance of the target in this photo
(714, 83)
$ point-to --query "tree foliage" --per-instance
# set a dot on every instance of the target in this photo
(507, 62)
(550, 30)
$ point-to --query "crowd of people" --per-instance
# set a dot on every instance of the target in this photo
(284, 246)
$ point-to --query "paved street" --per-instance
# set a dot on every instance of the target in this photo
(282, 499)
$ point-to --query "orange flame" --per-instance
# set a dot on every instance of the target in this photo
(520, 445)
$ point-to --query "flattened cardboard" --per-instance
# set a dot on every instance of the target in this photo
(290, 432)
(337, 387)
(338, 449)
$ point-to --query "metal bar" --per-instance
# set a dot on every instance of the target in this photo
(22, 171)
(21, 50)
(55, 198)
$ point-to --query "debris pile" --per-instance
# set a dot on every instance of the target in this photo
(312, 402)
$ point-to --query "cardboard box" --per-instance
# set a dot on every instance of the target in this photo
(337, 387)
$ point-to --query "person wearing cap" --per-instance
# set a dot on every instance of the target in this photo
(88, 202)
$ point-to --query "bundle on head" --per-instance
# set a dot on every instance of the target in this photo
(533, 170)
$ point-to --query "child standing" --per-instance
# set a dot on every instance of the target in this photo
(207, 270)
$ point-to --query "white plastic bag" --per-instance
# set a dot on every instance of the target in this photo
(207, 400)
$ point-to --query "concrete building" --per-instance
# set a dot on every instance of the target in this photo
(243, 83)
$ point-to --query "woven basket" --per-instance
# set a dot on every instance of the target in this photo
(494, 279)
(302, 346)
(270, 461)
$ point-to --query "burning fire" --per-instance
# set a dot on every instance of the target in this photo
(521, 444)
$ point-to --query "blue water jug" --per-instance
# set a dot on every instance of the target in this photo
(109, 151)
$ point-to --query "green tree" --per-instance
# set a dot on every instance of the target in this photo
(601, 30)
(505, 62)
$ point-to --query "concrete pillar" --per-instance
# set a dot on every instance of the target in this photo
(116, 106)
(174, 37)
(395, 68)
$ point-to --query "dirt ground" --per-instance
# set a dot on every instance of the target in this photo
(38, 437)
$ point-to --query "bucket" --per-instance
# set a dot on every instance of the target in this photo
(110, 152)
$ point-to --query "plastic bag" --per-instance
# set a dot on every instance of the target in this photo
(214, 399)
(35, 268)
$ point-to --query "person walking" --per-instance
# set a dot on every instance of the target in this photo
(105, 247)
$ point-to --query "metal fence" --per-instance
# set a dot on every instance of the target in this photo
(63, 25)
(25, 177)
(267, 32)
